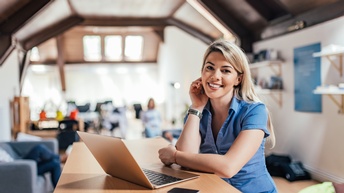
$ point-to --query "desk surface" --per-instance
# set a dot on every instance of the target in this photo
(82, 173)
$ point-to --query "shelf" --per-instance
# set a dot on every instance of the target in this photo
(330, 52)
(274, 93)
(339, 54)
(270, 63)
(276, 67)
(330, 93)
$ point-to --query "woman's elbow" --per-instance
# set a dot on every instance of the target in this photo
(227, 172)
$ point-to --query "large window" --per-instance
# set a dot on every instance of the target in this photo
(115, 48)
(92, 48)
(133, 47)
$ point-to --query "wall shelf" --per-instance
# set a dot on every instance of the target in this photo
(330, 55)
(275, 94)
(333, 52)
(330, 93)
(276, 67)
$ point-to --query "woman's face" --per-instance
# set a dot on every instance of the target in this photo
(219, 76)
(150, 104)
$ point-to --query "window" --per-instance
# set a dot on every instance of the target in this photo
(112, 50)
(133, 47)
(92, 48)
(34, 54)
(113, 47)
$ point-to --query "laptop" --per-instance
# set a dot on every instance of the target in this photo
(114, 157)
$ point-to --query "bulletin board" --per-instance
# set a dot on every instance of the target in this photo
(307, 77)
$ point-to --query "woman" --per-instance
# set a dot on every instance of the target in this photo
(151, 120)
(227, 125)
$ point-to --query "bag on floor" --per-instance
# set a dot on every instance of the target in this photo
(282, 166)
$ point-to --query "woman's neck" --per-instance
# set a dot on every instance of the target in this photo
(220, 105)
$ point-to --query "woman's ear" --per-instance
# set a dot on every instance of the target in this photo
(239, 79)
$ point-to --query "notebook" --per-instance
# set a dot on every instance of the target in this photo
(116, 160)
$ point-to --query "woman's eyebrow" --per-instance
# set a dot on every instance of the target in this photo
(229, 66)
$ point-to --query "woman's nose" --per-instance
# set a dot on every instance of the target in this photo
(216, 75)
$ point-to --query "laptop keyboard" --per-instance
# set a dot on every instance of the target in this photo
(157, 178)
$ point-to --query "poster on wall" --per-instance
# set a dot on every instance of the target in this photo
(307, 78)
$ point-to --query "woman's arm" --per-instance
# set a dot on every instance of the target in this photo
(190, 138)
(242, 150)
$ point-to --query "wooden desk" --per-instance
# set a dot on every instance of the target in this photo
(82, 173)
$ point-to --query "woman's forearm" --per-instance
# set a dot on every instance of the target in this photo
(189, 140)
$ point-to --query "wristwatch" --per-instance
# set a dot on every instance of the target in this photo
(195, 112)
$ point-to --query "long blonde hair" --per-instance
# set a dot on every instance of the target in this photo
(245, 90)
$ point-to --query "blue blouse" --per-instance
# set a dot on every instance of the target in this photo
(253, 177)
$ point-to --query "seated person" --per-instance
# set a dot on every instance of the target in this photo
(46, 161)
(151, 120)
(171, 136)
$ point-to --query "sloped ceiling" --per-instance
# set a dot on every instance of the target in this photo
(28, 23)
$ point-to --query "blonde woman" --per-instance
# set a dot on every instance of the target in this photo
(227, 125)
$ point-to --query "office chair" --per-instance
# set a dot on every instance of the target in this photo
(67, 133)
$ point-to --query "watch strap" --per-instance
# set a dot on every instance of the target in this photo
(195, 112)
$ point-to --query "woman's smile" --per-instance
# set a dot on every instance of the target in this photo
(214, 86)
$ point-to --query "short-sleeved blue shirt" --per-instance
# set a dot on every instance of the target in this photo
(253, 177)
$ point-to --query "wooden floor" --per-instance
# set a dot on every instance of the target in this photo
(284, 186)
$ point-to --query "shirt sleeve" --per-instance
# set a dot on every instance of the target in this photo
(256, 117)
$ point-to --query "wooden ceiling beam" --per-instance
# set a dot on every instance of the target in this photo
(61, 61)
(24, 64)
(6, 47)
(13, 23)
(50, 32)
(269, 9)
(192, 31)
(125, 22)
(229, 20)
(160, 34)
(19, 18)
(304, 20)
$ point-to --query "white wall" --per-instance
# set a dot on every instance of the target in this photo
(9, 84)
(180, 60)
(123, 84)
(316, 139)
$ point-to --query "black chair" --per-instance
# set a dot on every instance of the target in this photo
(67, 133)
(138, 109)
(84, 108)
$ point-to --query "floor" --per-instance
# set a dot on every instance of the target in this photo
(284, 186)
(135, 130)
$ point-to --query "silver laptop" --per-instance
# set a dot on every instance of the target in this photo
(116, 160)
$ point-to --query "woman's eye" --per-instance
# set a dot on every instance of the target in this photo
(226, 71)
(210, 68)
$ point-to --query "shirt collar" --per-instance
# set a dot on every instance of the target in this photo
(234, 105)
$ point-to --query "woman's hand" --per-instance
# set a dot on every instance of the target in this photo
(167, 155)
(198, 97)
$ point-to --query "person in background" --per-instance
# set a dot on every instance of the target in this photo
(227, 125)
(46, 160)
(151, 120)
